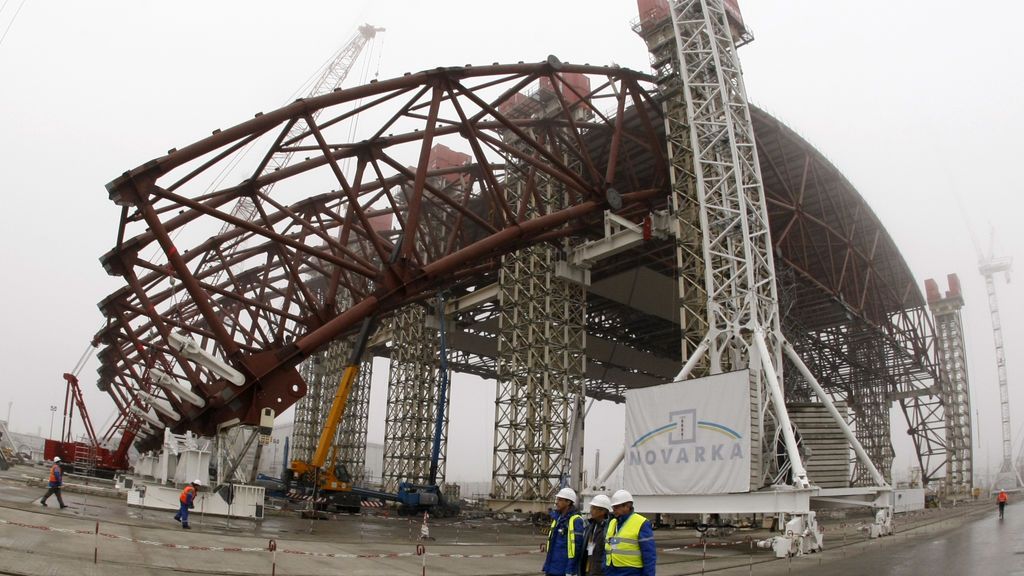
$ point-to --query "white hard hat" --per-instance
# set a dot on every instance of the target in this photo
(567, 493)
(621, 497)
(601, 501)
(56, 458)
(197, 482)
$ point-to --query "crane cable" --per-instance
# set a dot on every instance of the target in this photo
(13, 18)
(86, 356)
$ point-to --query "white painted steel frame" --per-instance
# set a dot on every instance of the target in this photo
(739, 269)
(541, 361)
(412, 402)
(952, 352)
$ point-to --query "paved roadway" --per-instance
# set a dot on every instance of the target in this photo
(964, 540)
(976, 543)
(982, 546)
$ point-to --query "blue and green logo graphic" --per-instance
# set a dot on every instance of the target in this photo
(682, 428)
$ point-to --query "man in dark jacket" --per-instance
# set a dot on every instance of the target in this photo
(565, 537)
(591, 558)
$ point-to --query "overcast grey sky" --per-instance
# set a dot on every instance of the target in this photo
(914, 105)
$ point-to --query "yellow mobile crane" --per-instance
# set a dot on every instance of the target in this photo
(333, 481)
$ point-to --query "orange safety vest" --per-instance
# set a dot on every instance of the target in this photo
(1002, 497)
(184, 494)
(53, 474)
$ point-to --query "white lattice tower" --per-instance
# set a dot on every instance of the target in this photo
(739, 270)
(955, 391)
(989, 268)
(350, 440)
(660, 38)
(412, 401)
(541, 359)
(309, 414)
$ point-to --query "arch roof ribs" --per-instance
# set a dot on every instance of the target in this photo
(260, 293)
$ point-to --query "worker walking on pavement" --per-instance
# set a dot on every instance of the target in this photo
(56, 481)
(565, 537)
(1001, 499)
(591, 557)
(186, 499)
(629, 541)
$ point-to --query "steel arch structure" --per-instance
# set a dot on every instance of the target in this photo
(371, 222)
(248, 297)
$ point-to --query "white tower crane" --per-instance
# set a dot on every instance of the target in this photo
(334, 73)
(989, 266)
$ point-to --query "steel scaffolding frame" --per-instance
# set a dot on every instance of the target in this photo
(349, 443)
(252, 306)
(541, 360)
(1009, 476)
(956, 392)
(540, 386)
(739, 267)
(660, 38)
(412, 401)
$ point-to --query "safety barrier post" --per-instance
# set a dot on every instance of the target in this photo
(96, 544)
(421, 551)
(272, 546)
(424, 529)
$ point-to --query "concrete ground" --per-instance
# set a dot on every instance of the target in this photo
(130, 541)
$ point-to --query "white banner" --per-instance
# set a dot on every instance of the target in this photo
(690, 437)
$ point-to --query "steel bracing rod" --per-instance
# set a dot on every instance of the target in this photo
(858, 449)
(781, 415)
(693, 360)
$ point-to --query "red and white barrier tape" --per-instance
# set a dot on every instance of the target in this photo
(263, 548)
(420, 550)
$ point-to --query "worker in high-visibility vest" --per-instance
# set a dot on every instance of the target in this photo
(1001, 499)
(629, 542)
(185, 500)
(565, 537)
(55, 483)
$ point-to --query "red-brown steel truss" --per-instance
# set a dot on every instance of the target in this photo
(259, 295)
(371, 220)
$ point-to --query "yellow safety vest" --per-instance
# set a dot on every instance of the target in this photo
(571, 544)
(623, 549)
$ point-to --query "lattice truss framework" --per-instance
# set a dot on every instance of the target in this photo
(540, 368)
(949, 335)
(413, 395)
(349, 443)
(689, 254)
(541, 341)
(245, 296)
(252, 308)
(322, 374)
(739, 268)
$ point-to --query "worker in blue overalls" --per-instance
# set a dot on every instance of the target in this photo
(565, 537)
(185, 501)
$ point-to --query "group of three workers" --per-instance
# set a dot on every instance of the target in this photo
(616, 541)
